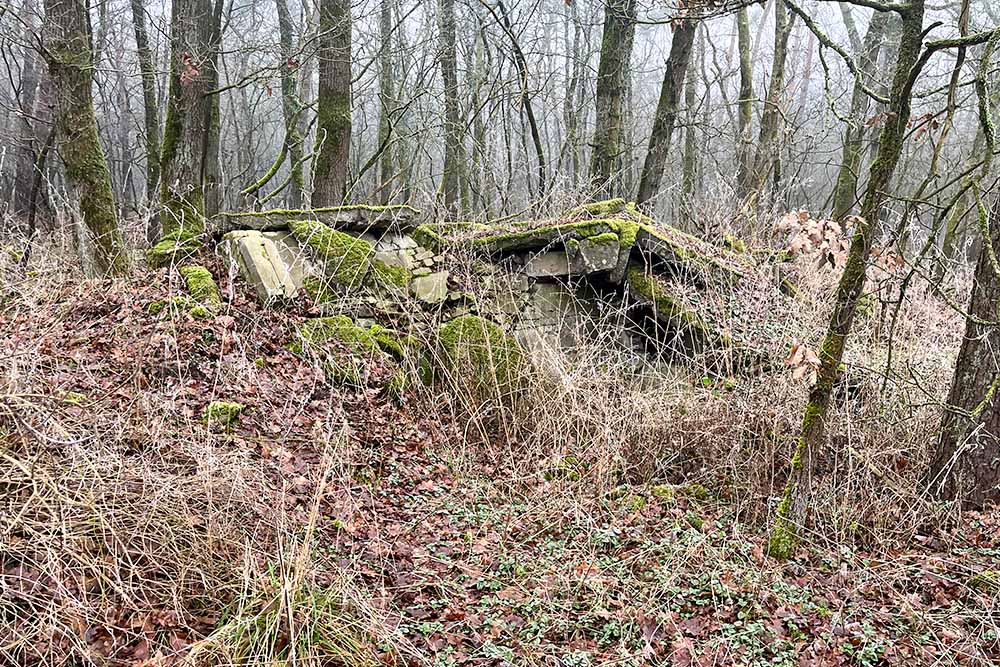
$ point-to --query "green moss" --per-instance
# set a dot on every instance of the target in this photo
(987, 581)
(600, 209)
(785, 534)
(733, 243)
(634, 502)
(173, 247)
(664, 492)
(348, 261)
(481, 351)
(225, 413)
(352, 347)
(74, 398)
(201, 285)
(176, 305)
(646, 286)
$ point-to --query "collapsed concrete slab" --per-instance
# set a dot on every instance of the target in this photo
(683, 295)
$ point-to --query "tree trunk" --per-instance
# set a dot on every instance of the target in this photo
(291, 107)
(29, 107)
(690, 175)
(666, 110)
(386, 169)
(744, 142)
(794, 503)
(771, 119)
(150, 108)
(185, 129)
(454, 158)
(612, 71)
(334, 104)
(845, 193)
(69, 56)
(966, 463)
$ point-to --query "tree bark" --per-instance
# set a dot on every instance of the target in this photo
(666, 110)
(454, 158)
(30, 108)
(150, 108)
(966, 463)
(845, 193)
(291, 107)
(791, 514)
(69, 56)
(185, 129)
(612, 71)
(334, 104)
(386, 170)
(744, 142)
(766, 161)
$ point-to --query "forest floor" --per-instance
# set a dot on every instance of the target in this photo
(340, 526)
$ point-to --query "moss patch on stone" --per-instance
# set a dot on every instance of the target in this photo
(483, 353)
(225, 413)
(173, 247)
(201, 285)
(348, 261)
(646, 287)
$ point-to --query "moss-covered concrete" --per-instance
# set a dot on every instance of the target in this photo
(348, 261)
(174, 247)
(357, 216)
(201, 286)
(483, 353)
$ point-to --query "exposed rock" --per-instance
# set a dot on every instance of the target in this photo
(551, 264)
(260, 261)
(431, 289)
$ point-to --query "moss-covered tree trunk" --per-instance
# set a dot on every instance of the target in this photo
(185, 130)
(794, 502)
(612, 72)
(69, 56)
(666, 110)
(845, 191)
(333, 123)
(454, 152)
(744, 141)
(966, 463)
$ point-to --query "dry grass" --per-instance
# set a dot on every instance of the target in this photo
(156, 537)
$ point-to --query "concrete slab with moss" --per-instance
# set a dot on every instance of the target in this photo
(355, 217)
